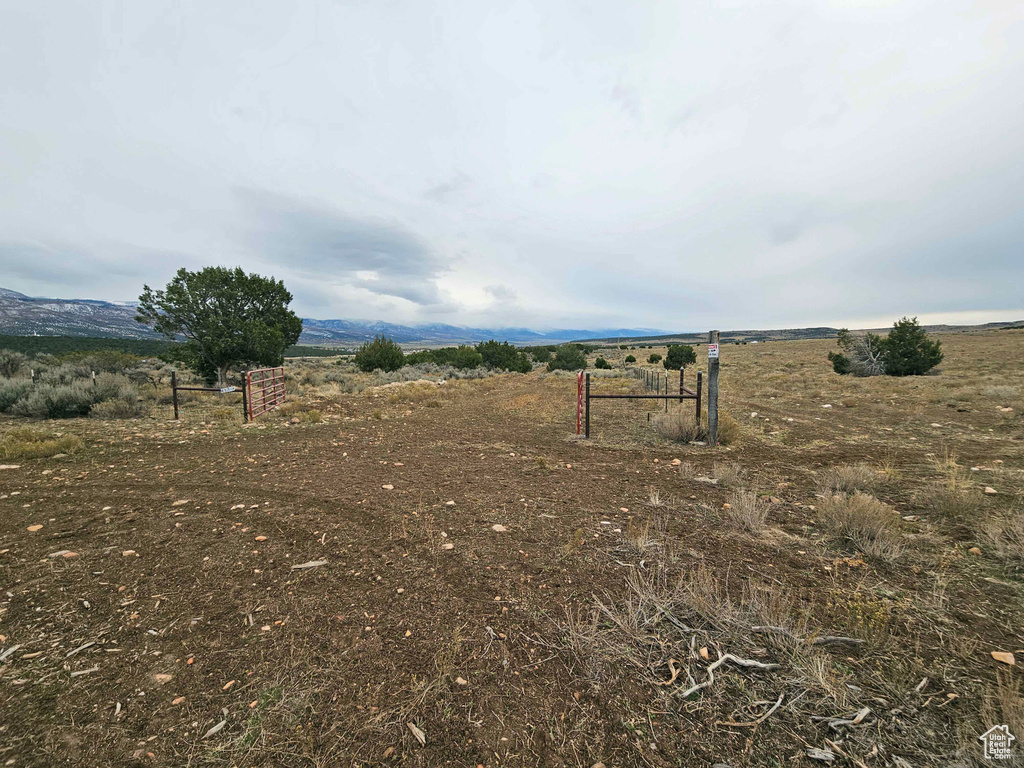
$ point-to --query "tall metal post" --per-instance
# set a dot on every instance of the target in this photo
(713, 349)
(245, 396)
(700, 383)
(587, 398)
(174, 392)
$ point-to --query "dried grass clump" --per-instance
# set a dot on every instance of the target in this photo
(678, 426)
(26, 443)
(864, 522)
(848, 479)
(729, 473)
(1005, 537)
(747, 511)
(681, 427)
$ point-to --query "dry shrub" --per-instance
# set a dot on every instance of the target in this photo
(25, 443)
(678, 426)
(729, 473)
(746, 510)
(1005, 537)
(126, 407)
(848, 479)
(729, 432)
(864, 522)
(226, 415)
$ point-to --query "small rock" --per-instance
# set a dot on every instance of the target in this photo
(295, 419)
(421, 737)
(990, 490)
(449, 503)
(162, 678)
(34, 528)
(461, 681)
(447, 545)
(676, 462)
(177, 701)
(261, 538)
(10, 466)
(498, 528)
(388, 487)
(974, 551)
(180, 503)
(1004, 656)
(827, 405)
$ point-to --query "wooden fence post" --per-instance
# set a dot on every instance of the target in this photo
(713, 388)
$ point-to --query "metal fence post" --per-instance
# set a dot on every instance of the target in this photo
(587, 433)
(245, 397)
(174, 392)
(700, 383)
(713, 388)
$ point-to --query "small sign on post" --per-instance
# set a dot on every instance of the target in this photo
(712, 351)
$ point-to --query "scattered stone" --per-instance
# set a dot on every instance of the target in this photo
(447, 545)
(990, 490)
(10, 466)
(449, 503)
(974, 551)
(676, 462)
(708, 480)
(180, 503)
(216, 729)
(310, 564)
(66, 553)
(261, 538)
(498, 528)
(163, 678)
(461, 681)
(1005, 657)
(177, 701)
(388, 487)
(827, 405)
(34, 528)
(421, 737)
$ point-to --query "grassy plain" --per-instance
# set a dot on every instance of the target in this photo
(833, 583)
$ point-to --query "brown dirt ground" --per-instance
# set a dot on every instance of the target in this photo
(175, 614)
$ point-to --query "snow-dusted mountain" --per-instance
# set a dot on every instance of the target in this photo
(22, 315)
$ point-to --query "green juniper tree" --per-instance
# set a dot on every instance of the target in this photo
(220, 318)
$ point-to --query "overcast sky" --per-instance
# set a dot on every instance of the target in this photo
(679, 165)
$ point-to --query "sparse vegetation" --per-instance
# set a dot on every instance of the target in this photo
(863, 522)
(679, 356)
(25, 443)
(653, 358)
(746, 510)
(905, 351)
(380, 354)
(568, 357)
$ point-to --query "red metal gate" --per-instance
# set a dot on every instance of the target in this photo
(264, 389)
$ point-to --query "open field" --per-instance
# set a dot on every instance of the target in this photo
(516, 596)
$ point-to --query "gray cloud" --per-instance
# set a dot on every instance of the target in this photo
(379, 256)
(644, 164)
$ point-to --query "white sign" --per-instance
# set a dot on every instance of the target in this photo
(225, 390)
(712, 351)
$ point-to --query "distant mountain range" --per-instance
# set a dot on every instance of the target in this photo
(22, 315)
